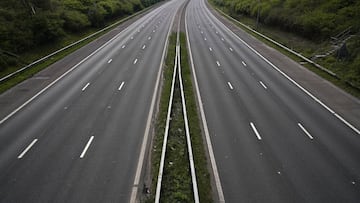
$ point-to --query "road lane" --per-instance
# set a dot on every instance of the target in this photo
(88, 133)
(261, 151)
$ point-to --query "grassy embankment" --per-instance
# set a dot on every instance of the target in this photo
(307, 43)
(176, 185)
(42, 50)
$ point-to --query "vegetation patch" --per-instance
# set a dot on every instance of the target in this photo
(288, 22)
(31, 29)
(177, 184)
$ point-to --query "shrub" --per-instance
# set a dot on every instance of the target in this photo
(75, 20)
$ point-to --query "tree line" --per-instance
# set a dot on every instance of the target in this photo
(317, 20)
(313, 19)
(26, 24)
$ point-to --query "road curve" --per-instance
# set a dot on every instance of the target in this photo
(272, 142)
(79, 139)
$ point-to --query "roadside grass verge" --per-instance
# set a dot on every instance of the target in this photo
(306, 47)
(176, 183)
(44, 50)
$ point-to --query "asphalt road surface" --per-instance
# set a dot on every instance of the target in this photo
(272, 141)
(79, 140)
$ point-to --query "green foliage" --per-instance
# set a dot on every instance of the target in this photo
(75, 21)
(47, 27)
(314, 19)
(26, 24)
(291, 22)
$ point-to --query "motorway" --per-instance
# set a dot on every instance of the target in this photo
(273, 141)
(80, 138)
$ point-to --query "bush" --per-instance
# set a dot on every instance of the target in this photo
(75, 21)
(47, 27)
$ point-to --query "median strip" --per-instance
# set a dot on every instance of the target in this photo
(176, 176)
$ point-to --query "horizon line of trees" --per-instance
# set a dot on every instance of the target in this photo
(313, 19)
(26, 24)
(317, 20)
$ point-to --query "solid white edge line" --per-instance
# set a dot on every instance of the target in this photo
(255, 130)
(166, 133)
(84, 88)
(291, 80)
(110, 61)
(305, 131)
(27, 149)
(231, 87)
(121, 86)
(220, 192)
(148, 123)
(189, 145)
(63, 75)
(262, 84)
(86, 147)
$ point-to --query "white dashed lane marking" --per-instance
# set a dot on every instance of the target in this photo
(27, 148)
(230, 86)
(121, 86)
(255, 130)
(305, 131)
(262, 84)
(84, 88)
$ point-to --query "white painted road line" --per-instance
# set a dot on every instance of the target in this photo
(131, 37)
(27, 149)
(149, 38)
(231, 87)
(205, 39)
(145, 138)
(153, 30)
(121, 86)
(243, 63)
(356, 130)
(84, 88)
(218, 63)
(222, 39)
(110, 61)
(210, 48)
(135, 61)
(231, 49)
(123, 46)
(262, 84)
(255, 131)
(219, 190)
(86, 147)
(144, 46)
(58, 79)
(305, 131)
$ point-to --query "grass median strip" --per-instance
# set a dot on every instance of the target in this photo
(176, 184)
